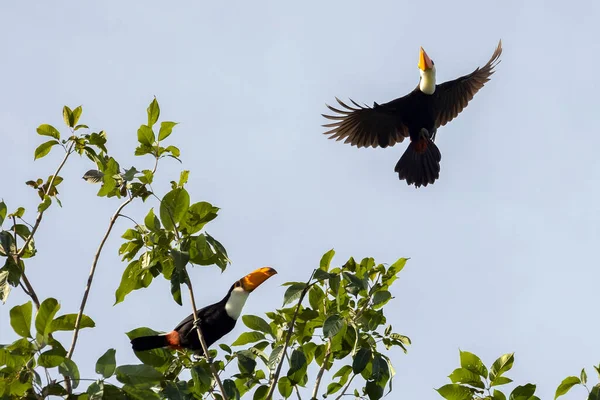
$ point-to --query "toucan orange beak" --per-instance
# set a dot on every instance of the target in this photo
(255, 278)
(425, 62)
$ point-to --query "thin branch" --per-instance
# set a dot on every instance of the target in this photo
(91, 275)
(288, 338)
(38, 220)
(203, 342)
(321, 371)
(345, 387)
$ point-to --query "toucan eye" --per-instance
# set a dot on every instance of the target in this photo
(238, 284)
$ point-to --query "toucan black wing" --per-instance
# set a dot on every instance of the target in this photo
(363, 126)
(453, 96)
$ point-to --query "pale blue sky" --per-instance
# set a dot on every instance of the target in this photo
(503, 246)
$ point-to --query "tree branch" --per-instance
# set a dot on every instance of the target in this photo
(345, 387)
(288, 338)
(203, 342)
(321, 371)
(91, 275)
(38, 220)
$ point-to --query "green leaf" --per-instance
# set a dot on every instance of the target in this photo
(320, 275)
(67, 323)
(261, 392)
(257, 323)
(275, 357)
(67, 116)
(129, 174)
(500, 380)
(503, 364)
(52, 358)
(179, 275)
(498, 395)
(594, 393)
(293, 292)
(473, 363)
(20, 319)
(230, 389)
(173, 207)
(166, 127)
(583, 376)
(361, 359)
(332, 325)
(198, 215)
(106, 364)
(326, 260)
(3, 211)
(145, 135)
(76, 114)
(284, 385)
(373, 390)
(45, 315)
(139, 393)
(151, 221)
(174, 151)
(5, 286)
(246, 362)
(455, 391)
(523, 392)
(248, 337)
(133, 278)
(69, 368)
(153, 112)
(566, 385)
(297, 361)
(333, 387)
(398, 265)
(183, 178)
(381, 297)
(138, 374)
(465, 376)
(43, 149)
(43, 206)
(48, 130)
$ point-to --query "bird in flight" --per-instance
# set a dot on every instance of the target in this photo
(417, 116)
(215, 320)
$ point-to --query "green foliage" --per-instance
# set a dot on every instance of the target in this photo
(333, 325)
(472, 381)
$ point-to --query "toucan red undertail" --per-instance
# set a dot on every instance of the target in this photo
(416, 115)
(215, 320)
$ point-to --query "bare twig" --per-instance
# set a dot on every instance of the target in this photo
(30, 291)
(17, 257)
(203, 342)
(321, 371)
(288, 338)
(38, 220)
(345, 387)
(91, 275)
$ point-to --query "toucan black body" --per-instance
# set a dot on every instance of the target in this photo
(417, 116)
(215, 320)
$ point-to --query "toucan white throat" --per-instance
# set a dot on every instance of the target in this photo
(235, 302)
(427, 83)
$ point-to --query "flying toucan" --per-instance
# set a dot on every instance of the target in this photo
(215, 320)
(416, 115)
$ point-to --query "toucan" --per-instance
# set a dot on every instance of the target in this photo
(417, 115)
(215, 320)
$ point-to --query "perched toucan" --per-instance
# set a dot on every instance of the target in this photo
(215, 320)
(416, 115)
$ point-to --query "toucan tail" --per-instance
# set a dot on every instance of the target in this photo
(420, 163)
(142, 343)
